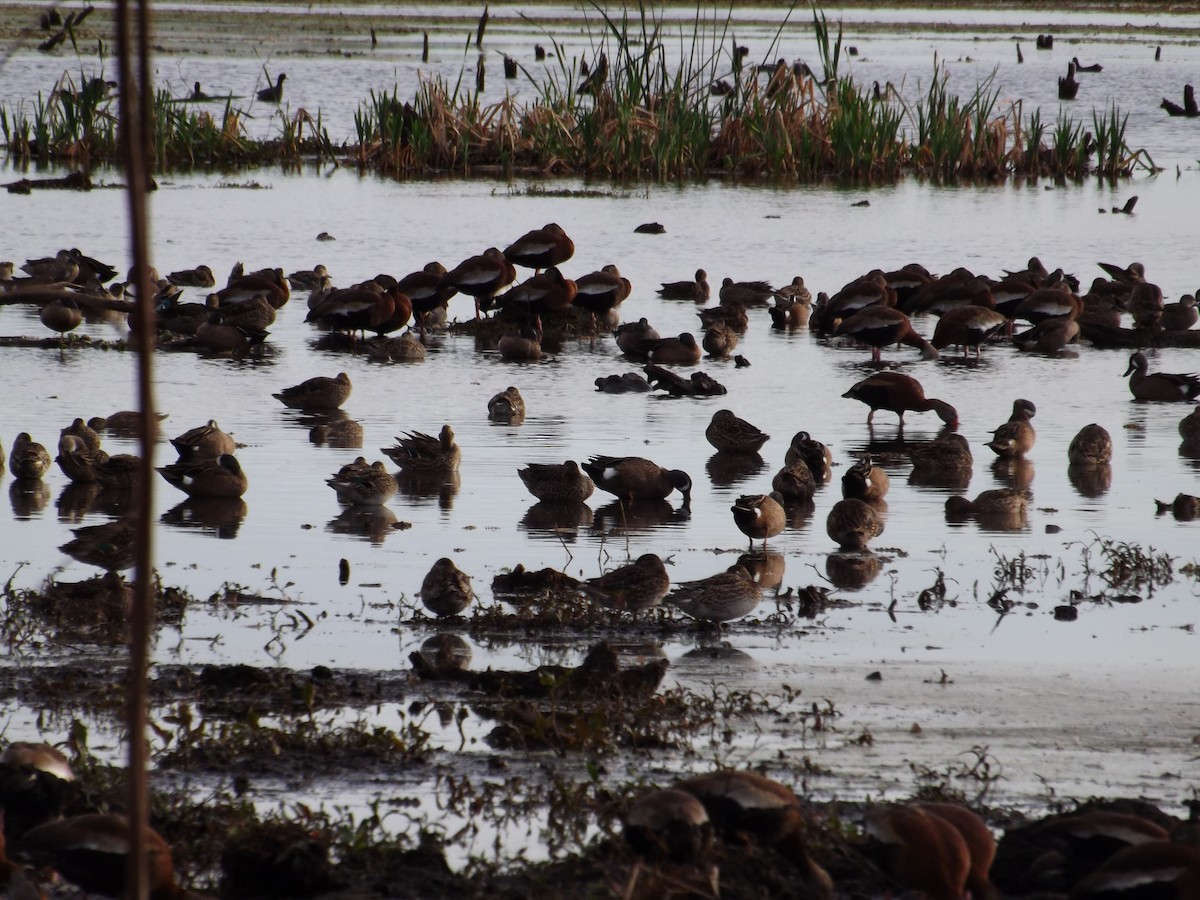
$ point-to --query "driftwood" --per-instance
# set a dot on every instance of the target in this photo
(41, 294)
(1106, 336)
(76, 181)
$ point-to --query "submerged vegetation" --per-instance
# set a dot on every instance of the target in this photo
(643, 116)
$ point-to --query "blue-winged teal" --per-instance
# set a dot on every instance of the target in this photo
(744, 804)
(669, 825)
(420, 452)
(677, 351)
(406, 348)
(561, 483)
(947, 452)
(746, 293)
(1092, 446)
(507, 406)
(922, 852)
(83, 431)
(795, 482)
(1180, 316)
(881, 326)
(718, 598)
(541, 248)
(319, 393)
(900, 394)
(273, 93)
(733, 315)
(999, 503)
(865, 481)
(218, 477)
(695, 290)
(1016, 437)
(633, 336)
(852, 524)
(816, 455)
(1159, 385)
(637, 586)
(481, 277)
(719, 340)
(122, 471)
(759, 516)
(200, 277)
(446, 589)
(967, 326)
(308, 279)
(1146, 305)
(362, 485)
(203, 442)
(728, 432)
(125, 423)
(28, 458)
(635, 478)
(1184, 507)
(62, 315)
(77, 461)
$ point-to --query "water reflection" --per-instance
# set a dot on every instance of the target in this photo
(421, 486)
(765, 567)
(220, 516)
(371, 522)
(447, 651)
(28, 497)
(1014, 473)
(852, 571)
(76, 500)
(799, 514)
(1090, 481)
(341, 434)
(700, 660)
(728, 467)
(557, 519)
(640, 515)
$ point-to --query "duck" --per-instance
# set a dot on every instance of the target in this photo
(635, 587)
(269, 283)
(35, 785)
(947, 452)
(899, 393)
(816, 455)
(367, 307)
(363, 485)
(959, 289)
(1180, 316)
(669, 825)
(200, 277)
(427, 290)
(1092, 446)
(679, 351)
(968, 326)
(273, 93)
(219, 477)
(125, 423)
(1080, 67)
(632, 478)
(695, 290)
(870, 290)
(1166, 869)
(28, 459)
(744, 804)
(544, 294)
(218, 336)
(746, 293)
(1146, 305)
(507, 406)
(1049, 303)
(727, 431)
(718, 598)
(524, 346)
(308, 279)
(1159, 385)
(541, 248)
(981, 846)
(319, 393)
(759, 516)
(481, 277)
(419, 452)
(84, 432)
(560, 483)
(625, 383)
(61, 314)
(197, 94)
(78, 462)
(341, 433)
(91, 851)
(121, 471)
(633, 336)
(865, 481)
(733, 315)
(995, 503)
(446, 589)
(719, 340)
(794, 482)
(404, 349)
(852, 524)
(1016, 437)
(922, 852)
(602, 291)
(1068, 87)
(880, 326)
(790, 313)
(206, 441)
(1184, 507)
(1049, 336)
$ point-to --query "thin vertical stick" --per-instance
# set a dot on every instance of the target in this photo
(135, 123)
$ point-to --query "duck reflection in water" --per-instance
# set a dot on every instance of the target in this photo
(29, 496)
(1014, 473)
(371, 522)
(852, 571)
(222, 516)
(447, 651)
(423, 485)
(1090, 480)
(76, 500)
(341, 434)
(765, 567)
(557, 519)
(729, 467)
(639, 515)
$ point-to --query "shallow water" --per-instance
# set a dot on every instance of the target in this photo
(1099, 705)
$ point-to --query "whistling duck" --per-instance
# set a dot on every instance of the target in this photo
(968, 326)
(1049, 336)
(559, 483)
(364, 308)
(919, 850)
(219, 336)
(865, 481)
(599, 292)
(481, 277)
(696, 291)
(981, 846)
(28, 458)
(759, 516)
(817, 456)
(420, 452)
(540, 248)
(319, 393)
(201, 277)
(61, 315)
(728, 432)
(746, 803)
(634, 478)
(718, 598)
(1161, 869)
(635, 587)
(632, 337)
(203, 442)
(446, 589)
(1049, 303)
(359, 484)
(35, 786)
(525, 346)
(870, 290)
(273, 93)
(1180, 316)
(678, 351)
(900, 394)
(719, 340)
(507, 406)
(1015, 437)
(906, 282)
(218, 477)
(959, 288)
(269, 283)
(1092, 446)
(427, 289)
(795, 482)
(1159, 385)
(852, 524)
(669, 824)
(747, 293)
(542, 294)
(879, 326)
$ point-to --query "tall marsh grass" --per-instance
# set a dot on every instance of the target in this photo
(661, 102)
